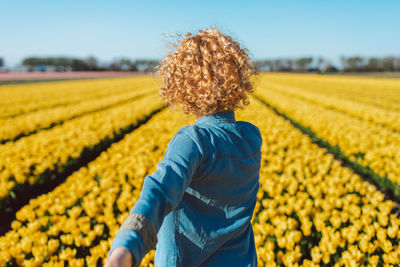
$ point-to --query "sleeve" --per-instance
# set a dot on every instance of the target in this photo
(161, 193)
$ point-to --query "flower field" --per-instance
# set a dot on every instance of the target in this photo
(329, 181)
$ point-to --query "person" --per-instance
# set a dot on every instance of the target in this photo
(196, 208)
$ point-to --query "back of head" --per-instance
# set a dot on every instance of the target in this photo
(207, 73)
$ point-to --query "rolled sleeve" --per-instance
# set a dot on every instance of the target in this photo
(162, 191)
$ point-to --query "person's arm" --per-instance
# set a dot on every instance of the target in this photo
(120, 257)
(161, 193)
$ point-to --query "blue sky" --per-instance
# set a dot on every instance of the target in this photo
(134, 29)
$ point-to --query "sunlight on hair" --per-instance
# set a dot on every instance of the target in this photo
(206, 73)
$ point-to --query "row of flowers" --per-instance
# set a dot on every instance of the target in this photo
(388, 118)
(363, 142)
(44, 157)
(28, 123)
(379, 92)
(20, 99)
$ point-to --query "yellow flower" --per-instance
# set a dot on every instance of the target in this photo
(373, 260)
(67, 239)
(67, 254)
(53, 246)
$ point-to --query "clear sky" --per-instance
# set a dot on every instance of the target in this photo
(134, 29)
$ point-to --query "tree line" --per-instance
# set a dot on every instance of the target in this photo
(360, 64)
(90, 64)
(301, 64)
(319, 64)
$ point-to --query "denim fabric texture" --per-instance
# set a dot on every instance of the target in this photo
(202, 196)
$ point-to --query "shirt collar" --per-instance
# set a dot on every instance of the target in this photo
(226, 116)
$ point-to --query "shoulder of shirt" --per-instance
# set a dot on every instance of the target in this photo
(191, 131)
(254, 129)
(194, 134)
(187, 134)
(188, 129)
(250, 126)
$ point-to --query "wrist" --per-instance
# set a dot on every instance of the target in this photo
(120, 256)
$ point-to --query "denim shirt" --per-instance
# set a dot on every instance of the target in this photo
(199, 203)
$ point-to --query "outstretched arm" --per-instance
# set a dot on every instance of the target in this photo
(161, 193)
(120, 257)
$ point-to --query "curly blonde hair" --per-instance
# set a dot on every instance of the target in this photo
(207, 73)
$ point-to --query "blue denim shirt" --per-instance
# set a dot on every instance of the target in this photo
(201, 199)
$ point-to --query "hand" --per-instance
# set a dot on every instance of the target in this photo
(120, 257)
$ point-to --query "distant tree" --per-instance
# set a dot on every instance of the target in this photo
(388, 64)
(115, 65)
(288, 64)
(1, 62)
(277, 64)
(146, 65)
(263, 65)
(329, 67)
(123, 64)
(373, 64)
(30, 61)
(303, 63)
(92, 63)
(78, 65)
(64, 61)
(133, 67)
(127, 65)
(268, 64)
(259, 64)
(354, 64)
(397, 64)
